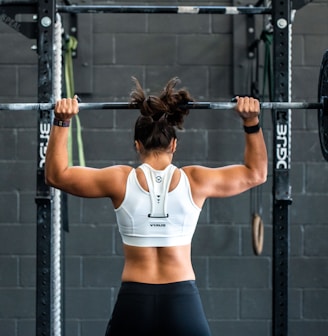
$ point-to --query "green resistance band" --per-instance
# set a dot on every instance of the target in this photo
(71, 45)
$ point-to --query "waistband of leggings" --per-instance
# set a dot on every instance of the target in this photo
(172, 288)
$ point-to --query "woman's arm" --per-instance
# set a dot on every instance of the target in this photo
(235, 179)
(79, 181)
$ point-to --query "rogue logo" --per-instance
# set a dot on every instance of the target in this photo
(282, 141)
(44, 138)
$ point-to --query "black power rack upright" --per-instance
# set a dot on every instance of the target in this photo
(43, 32)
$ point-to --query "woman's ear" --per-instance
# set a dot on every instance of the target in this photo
(137, 146)
(174, 145)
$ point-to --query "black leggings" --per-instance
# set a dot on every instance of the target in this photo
(173, 309)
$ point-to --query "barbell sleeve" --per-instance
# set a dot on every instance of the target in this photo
(191, 105)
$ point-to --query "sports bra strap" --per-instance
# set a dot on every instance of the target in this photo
(158, 184)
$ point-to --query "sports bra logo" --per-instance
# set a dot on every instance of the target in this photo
(158, 179)
(157, 224)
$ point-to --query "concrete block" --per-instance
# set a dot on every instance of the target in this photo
(300, 213)
(200, 265)
(27, 271)
(27, 81)
(87, 303)
(313, 17)
(9, 308)
(226, 145)
(220, 88)
(94, 327)
(15, 176)
(295, 304)
(233, 210)
(297, 177)
(215, 49)
(216, 240)
(26, 327)
(255, 304)
(315, 241)
(27, 207)
(102, 271)
(296, 240)
(239, 272)
(89, 240)
(241, 328)
(8, 81)
(315, 304)
(318, 328)
(220, 304)
(98, 211)
(179, 24)
(157, 77)
(9, 272)
(114, 82)
(145, 49)
(97, 119)
(302, 76)
(316, 178)
(308, 272)
(222, 23)
(73, 267)
(8, 144)
(72, 327)
(27, 144)
(313, 56)
(8, 205)
(7, 327)
(192, 146)
(119, 23)
(103, 49)
(105, 145)
(17, 239)
(13, 55)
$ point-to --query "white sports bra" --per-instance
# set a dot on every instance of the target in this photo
(158, 217)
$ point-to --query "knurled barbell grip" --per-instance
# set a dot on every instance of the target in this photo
(191, 105)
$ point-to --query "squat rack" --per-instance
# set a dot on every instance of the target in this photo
(43, 31)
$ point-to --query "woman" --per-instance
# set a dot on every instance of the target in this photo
(157, 207)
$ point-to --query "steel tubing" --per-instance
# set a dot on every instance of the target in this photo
(126, 106)
(141, 9)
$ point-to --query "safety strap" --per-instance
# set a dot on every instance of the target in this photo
(158, 184)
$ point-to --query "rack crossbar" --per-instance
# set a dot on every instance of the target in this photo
(141, 9)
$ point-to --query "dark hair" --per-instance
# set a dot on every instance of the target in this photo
(160, 115)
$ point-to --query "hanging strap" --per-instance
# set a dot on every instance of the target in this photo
(158, 184)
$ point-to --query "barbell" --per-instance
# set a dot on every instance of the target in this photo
(321, 105)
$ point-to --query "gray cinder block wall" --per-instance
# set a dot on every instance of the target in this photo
(235, 285)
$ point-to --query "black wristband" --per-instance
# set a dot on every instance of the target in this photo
(252, 129)
(61, 123)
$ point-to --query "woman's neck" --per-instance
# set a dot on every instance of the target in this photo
(158, 161)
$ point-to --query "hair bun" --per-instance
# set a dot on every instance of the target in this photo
(170, 105)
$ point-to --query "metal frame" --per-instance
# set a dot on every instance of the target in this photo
(281, 13)
(281, 191)
(46, 19)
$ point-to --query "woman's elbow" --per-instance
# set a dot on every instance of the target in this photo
(260, 177)
(50, 179)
